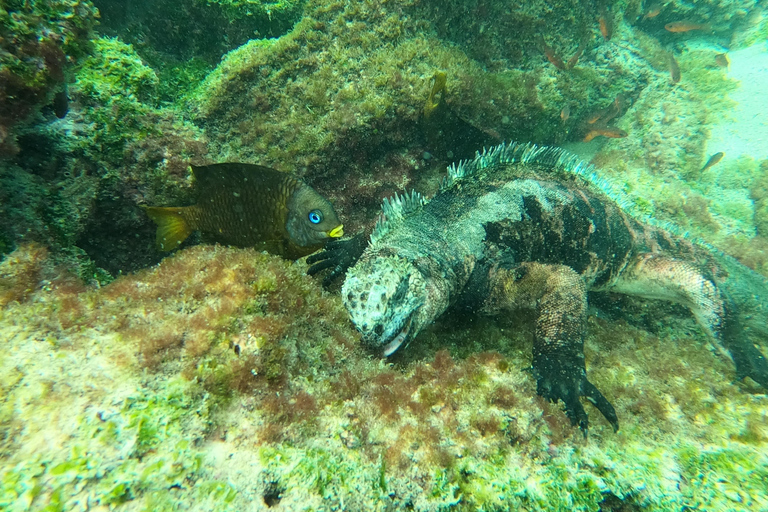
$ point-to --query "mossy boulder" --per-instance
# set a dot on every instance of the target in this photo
(226, 379)
(116, 148)
(40, 43)
(165, 32)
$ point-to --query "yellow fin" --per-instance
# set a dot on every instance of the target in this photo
(172, 228)
(436, 95)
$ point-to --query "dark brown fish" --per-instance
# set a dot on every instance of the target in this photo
(674, 69)
(250, 206)
(713, 160)
(722, 60)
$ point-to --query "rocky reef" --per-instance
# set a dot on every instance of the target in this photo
(335, 93)
(41, 44)
(226, 379)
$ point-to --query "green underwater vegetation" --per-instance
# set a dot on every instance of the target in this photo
(40, 44)
(226, 379)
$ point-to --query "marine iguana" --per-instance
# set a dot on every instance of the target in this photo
(527, 227)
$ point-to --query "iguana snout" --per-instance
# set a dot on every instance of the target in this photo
(383, 296)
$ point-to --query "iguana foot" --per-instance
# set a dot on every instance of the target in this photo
(338, 255)
(558, 382)
(749, 362)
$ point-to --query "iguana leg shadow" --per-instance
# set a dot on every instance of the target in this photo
(558, 295)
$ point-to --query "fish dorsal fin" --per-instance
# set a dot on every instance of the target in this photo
(394, 209)
(213, 178)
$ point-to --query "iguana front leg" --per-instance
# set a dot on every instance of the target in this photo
(558, 295)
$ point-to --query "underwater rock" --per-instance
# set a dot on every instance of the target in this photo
(40, 43)
(226, 379)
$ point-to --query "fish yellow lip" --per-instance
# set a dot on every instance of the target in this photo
(337, 232)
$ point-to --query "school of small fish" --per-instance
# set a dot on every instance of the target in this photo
(597, 124)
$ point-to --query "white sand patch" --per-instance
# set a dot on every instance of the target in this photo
(744, 131)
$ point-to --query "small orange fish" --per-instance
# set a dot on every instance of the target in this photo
(575, 57)
(618, 102)
(652, 12)
(565, 113)
(722, 60)
(606, 26)
(595, 117)
(555, 60)
(674, 69)
(609, 131)
(605, 115)
(685, 26)
(712, 161)
(613, 110)
(552, 57)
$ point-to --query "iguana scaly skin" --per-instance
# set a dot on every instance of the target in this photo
(526, 227)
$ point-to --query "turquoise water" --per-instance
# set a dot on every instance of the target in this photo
(224, 378)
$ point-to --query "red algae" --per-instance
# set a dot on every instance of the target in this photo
(21, 273)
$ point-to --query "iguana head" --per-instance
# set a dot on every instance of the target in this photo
(385, 297)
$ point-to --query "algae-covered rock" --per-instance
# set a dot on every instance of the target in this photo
(165, 32)
(40, 43)
(225, 379)
(76, 182)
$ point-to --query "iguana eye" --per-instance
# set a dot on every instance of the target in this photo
(315, 216)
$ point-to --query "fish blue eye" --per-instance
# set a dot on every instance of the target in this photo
(315, 217)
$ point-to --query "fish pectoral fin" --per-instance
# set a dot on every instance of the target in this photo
(172, 228)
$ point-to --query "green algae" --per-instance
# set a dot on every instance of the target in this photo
(238, 9)
(289, 101)
(369, 436)
(40, 43)
(117, 89)
(744, 487)
(137, 450)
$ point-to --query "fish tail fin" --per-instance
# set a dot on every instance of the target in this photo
(172, 227)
